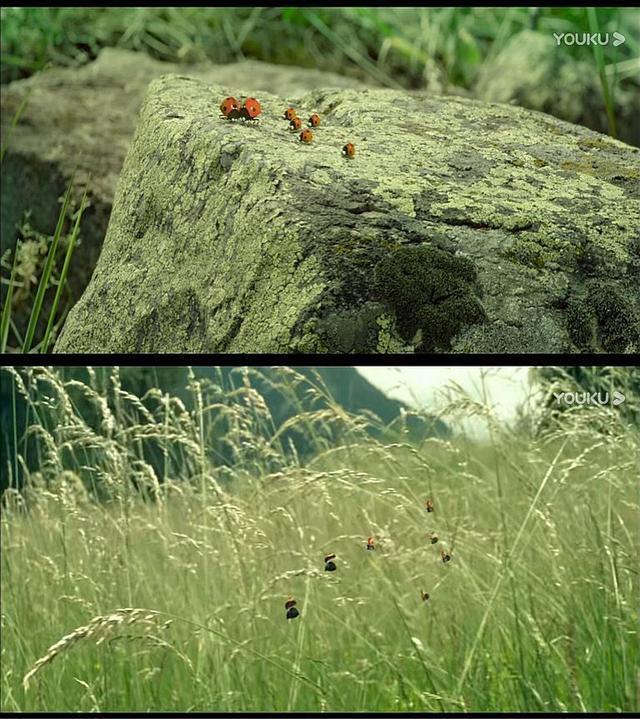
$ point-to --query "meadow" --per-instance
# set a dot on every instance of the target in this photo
(162, 578)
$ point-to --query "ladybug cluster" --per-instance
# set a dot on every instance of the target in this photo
(247, 112)
(330, 564)
(433, 537)
(295, 124)
(231, 109)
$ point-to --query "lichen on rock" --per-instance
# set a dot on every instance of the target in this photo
(459, 226)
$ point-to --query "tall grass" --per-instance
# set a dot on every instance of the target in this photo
(536, 611)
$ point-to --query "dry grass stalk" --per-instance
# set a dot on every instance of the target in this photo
(99, 628)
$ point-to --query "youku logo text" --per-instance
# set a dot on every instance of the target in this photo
(584, 38)
(589, 398)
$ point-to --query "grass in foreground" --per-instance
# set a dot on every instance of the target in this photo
(45, 318)
(536, 611)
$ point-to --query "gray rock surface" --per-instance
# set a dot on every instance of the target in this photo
(459, 225)
(83, 120)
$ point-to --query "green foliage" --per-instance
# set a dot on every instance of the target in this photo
(431, 292)
(536, 611)
(394, 46)
(37, 254)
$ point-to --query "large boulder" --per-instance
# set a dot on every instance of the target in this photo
(458, 226)
(83, 119)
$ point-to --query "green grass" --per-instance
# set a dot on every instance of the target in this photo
(19, 276)
(537, 611)
(397, 47)
(594, 27)
(45, 320)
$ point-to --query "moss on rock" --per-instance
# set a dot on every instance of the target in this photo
(604, 317)
(431, 293)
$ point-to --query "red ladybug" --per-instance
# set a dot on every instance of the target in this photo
(306, 136)
(289, 113)
(295, 124)
(228, 105)
(251, 108)
(314, 120)
(371, 543)
(349, 150)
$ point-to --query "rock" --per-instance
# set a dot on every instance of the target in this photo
(226, 237)
(83, 120)
(533, 72)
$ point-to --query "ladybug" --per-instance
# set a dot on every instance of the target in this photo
(429, 505)
(290, 606)
(314, 120)
(424, 596)
(228, 105)
(289, 113)
(445, 556)
(295, 124)
(251, 108)
(306, 136)
(370, 543)
(349, 150)
(433, 537)
(329, 564)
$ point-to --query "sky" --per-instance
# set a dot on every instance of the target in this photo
(422, 387)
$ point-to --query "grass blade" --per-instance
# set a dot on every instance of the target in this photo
(594, 27)
(6, 310)
(63, 276)
(46, 273)
(357, 57)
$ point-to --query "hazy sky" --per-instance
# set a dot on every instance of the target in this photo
(420, 387)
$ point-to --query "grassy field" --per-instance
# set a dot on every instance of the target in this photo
(536, 611)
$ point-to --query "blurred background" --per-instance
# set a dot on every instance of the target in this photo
(297, 412)
(459, 49)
